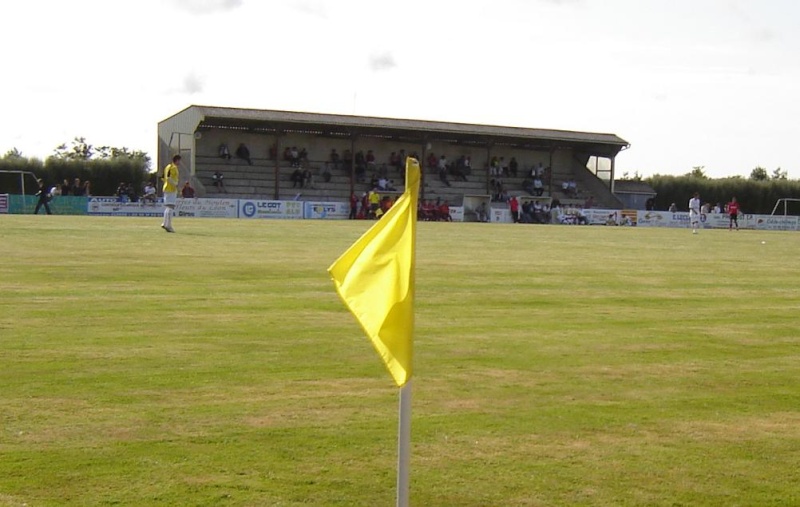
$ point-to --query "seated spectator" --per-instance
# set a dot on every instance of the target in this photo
(218, 180)
(673, 208)
(494, 167)
(459, 168)
(122, 192)
(243, 153)
(444, 212)
(526, 216)
(394, 160)
(538, 213)
(527, 185)
(370, 159)
(573, 187)
(580, 217)
(326, 173)
(294, 156)
(187, 192)
(334, 158)
(308, 179)
(538, 187)
(149, 196)
(513, 166)
(384, 184)
(224, 152)
(482, 213)
(297, 178)
(565, 187)
(303, 156)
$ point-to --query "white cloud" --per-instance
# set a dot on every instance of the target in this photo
(206, 6)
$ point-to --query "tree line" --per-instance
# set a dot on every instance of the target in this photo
(757, 194)
(105, 166)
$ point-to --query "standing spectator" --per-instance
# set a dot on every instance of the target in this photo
(513, 204)
(326, 173)
(87, 188)
(353, 206)
(334, 158)
(694, 212)
(66, 188)
(149, 193)
(187, 192)
(443, 170)
(77, 188)
(733, 213)
(513, 166)
(44, 198)
(170, 178)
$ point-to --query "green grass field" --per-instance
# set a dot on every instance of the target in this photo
(554, 366)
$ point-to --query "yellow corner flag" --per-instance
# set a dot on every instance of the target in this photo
(375, 279)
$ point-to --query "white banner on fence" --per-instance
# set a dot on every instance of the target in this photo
(327, 210)
(3, 203)
(457, 213)
(110, 206)
(207, 208)
(771, 222)
(270, 209)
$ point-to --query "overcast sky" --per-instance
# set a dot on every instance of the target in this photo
(687, 83)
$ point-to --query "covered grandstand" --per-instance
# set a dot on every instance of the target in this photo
(210, 139)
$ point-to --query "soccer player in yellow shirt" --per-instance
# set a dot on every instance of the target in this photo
(170, 178)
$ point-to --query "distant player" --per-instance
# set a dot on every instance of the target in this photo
(733, 212)
(694, 212)
(171, 175)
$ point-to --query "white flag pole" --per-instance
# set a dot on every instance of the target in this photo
(404, 445)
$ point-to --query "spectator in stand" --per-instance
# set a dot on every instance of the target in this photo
(513, 166)
(401, 162)
(294, 156)
(467, 166)
(149, 195)
(394, 160)
(44, 198)
(443, 170)
(77, 188)
(347, 159)
(326, 173)
(444, 212)
(672, 208)
(386, 185)
(370, 159)
(538, 187)
(460, 168)
(572, 187)
(308, 179)
(334, 159)
(526, 216)
(224, 152)
(243, 153)
(580, 216)
(527, 185)
(122, 192)
(66, 188)
(187, 192)
(87, 188)
(218, 180)
(273, 152)
(297, 178)
(432, 162)
(353, 206)
(589, 202)
(303, 156)
(494, 167)
(513, 205)
(538, 212)
(481, 212)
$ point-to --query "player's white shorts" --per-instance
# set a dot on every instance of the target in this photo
(694, 217)
(170, 198)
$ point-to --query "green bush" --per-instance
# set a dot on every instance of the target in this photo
(754, 196)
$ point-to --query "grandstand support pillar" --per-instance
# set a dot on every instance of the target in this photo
(278, 152)
(611, 180)
(486, 167)
(422, 162)
(352, 170)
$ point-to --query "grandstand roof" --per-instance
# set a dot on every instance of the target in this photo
(408, 130)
